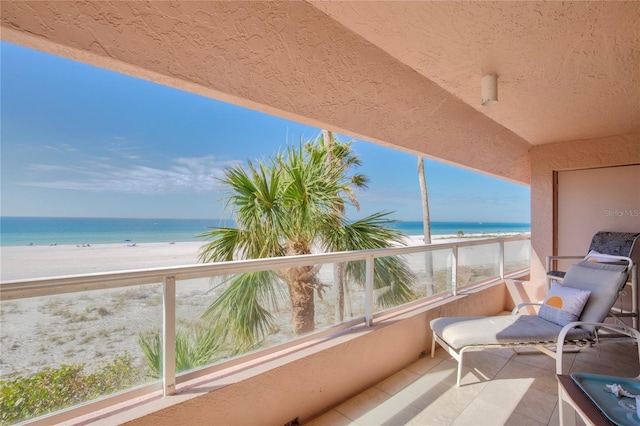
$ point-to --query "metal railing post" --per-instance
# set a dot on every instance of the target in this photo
(169, 336)
(501, 259)
(454, 270)
(634, 295)
(368, 286)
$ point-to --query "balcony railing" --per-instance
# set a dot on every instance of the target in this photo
(440, 270)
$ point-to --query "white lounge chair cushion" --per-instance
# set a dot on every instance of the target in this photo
(459, 332)
(603, 281)
(563, 304)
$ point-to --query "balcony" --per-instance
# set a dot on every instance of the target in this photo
(328, 366)
(345, 66)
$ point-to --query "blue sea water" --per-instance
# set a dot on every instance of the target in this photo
(18, 231)
(452, 228)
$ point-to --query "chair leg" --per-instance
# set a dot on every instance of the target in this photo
(433, 345)
(455, 355)
(459, 375)
(566, 412)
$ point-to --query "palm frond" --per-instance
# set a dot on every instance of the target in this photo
(394, 276)
(226, 242)
(360, 181)
(238, 313)
(230, 243)
(311, 189)
(371, 232)
(194, 348)
(151, 345)
(390, 273)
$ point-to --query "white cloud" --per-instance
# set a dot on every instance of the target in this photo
(120, 146)
(43, 168)
(62, 148)
(195, 174)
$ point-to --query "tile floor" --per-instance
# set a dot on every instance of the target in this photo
(499, 387)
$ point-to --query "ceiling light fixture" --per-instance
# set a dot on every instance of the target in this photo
(489, 89)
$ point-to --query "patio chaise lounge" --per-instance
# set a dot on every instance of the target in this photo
(607, 246)
(577, 308)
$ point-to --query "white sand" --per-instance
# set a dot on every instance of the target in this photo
(26, 262)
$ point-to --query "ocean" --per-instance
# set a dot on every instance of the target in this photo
(20, 231)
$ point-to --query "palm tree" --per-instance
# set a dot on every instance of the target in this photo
(341, 153)
(426, 223)
(294, 204)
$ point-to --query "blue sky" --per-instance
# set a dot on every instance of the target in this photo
(80, 141)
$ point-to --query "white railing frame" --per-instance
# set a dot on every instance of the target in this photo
(501, 260)
(169, 336)
(454, 270)
(368, 304)
(168, 276)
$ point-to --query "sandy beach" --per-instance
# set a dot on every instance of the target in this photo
(26, 262)
(93, 326)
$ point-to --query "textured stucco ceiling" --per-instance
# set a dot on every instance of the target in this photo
(567, 70)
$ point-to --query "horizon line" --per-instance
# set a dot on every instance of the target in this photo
(221, 219)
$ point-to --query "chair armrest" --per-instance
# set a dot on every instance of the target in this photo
(614, 259)
(565, 257)
(625, 329)
(522, 305)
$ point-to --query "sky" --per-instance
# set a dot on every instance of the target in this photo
(81, 141)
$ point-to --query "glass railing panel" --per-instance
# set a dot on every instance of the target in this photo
(64, 350)
(442, 267)
(478, 263)
(431, 272)
(407, 278)
(195, 345)
(344, 294)
(517, 255)
(220, 318)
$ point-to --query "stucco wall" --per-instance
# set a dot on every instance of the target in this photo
(312, 380)
(587, 204)
(545, 159)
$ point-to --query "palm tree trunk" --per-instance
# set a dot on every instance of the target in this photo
(426, 222)
(302, 308)
(328, 141)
